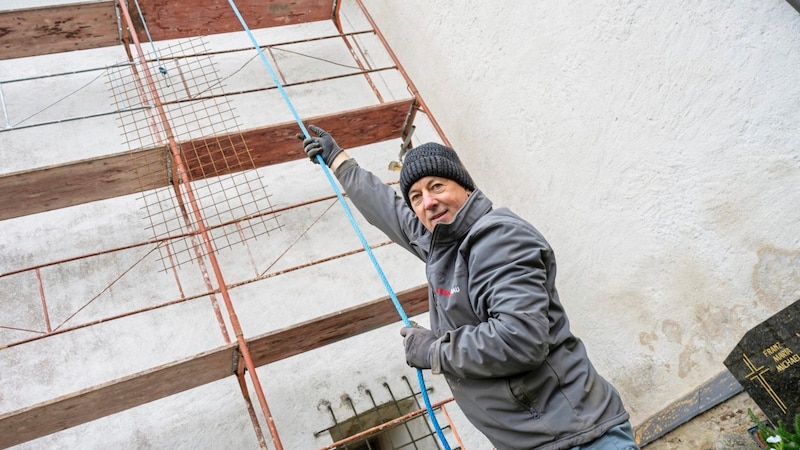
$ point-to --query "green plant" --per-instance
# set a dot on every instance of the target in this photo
(778, 438)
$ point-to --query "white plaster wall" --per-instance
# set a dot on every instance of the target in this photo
(654, 144)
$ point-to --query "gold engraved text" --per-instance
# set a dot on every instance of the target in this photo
(772, 349)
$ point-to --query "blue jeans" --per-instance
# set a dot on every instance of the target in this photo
(618, 438)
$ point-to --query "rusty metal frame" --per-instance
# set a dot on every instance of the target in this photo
(194, 208)
(181, 185)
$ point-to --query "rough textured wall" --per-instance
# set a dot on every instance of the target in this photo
(653, 143)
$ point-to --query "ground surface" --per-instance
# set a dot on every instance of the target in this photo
(721, 428)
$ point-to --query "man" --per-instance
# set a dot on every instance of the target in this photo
(499, 335)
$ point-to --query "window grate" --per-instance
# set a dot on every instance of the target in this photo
(401, 423)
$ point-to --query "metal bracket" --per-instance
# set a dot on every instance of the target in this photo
(408, 130)
(406, 133)
(172, 170)
(237, 356)
(406, 143)
(169, 163)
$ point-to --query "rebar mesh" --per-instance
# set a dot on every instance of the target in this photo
(392, 425)
(220, 185)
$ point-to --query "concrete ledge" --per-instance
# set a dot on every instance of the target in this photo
(709, 394)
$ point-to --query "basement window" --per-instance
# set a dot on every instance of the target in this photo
(395, 425)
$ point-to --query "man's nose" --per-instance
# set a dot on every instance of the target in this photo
(429, 201)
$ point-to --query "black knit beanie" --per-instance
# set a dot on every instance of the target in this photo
(435, 160)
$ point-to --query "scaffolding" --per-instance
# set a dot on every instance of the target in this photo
(196, 170)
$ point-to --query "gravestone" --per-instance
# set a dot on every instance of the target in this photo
(795, 4)
(766, 362)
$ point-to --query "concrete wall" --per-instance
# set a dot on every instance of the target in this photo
(653, 144)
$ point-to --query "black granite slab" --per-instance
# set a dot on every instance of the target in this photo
(766, 362)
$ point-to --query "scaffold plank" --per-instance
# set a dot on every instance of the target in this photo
(169, 19)
(115, 396)
(64, 185)
(81, 26)
(56, 29)
(59, 186)
(99, 401)
(328, 329)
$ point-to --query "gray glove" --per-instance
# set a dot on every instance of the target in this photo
(323, 145)
(418, 341)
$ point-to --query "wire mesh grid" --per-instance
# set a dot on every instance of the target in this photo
(389, 425)
(220, 185)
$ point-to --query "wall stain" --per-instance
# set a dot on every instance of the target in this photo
(638, 381)
(647, 340)
(711, 321)
(776, 277)
(686, 362)
(673, 331)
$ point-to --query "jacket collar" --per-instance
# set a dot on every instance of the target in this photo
(476, 206)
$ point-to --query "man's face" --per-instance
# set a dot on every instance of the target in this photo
(436, 200)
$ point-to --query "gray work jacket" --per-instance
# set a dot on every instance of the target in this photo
(505, 347)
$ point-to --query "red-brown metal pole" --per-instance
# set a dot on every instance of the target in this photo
(403, 72)
(452, 427)
(44, 302)
(183, 172)
(338, 23)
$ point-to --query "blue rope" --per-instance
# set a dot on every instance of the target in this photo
(350, 217)
(161, 68)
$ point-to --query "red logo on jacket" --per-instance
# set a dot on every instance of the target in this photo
(447, 292)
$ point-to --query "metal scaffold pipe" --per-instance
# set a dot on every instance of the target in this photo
(195, 210)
